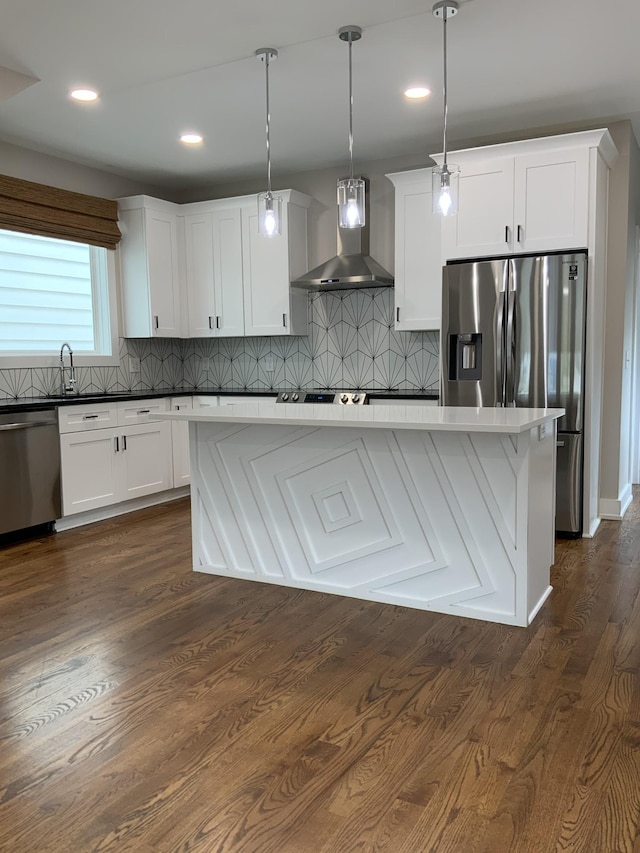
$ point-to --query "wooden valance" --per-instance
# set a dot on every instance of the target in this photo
(52, 212)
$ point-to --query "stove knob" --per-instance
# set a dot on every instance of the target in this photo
(356, 397)
(284, 398)
(295, 398)
(344, 398)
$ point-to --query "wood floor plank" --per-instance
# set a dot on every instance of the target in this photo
(144, 707)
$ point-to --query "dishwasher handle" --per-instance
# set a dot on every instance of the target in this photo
(26, 425)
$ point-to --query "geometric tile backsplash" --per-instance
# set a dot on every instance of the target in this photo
(351, 344)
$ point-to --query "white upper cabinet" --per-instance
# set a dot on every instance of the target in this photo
(271, 305)
(418, 264)
(529, 196)
(538, 195)
(228, 318)
(551, 200)
(149, 266)
(196, 231)
(484, 222)
(212, 263)
(237, 282)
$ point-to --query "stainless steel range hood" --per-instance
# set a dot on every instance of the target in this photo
(352, 267)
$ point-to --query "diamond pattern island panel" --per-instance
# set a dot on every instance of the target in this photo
(433, 520)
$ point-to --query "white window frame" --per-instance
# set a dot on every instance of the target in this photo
(106, 323)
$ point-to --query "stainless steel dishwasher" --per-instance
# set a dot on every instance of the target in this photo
(29, 470)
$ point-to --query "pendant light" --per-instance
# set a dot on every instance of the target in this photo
(269, 205)
(445, 177)
(351, 201)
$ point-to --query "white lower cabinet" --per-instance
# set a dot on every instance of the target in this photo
(89, 470)
(145, 458)
(106, 465)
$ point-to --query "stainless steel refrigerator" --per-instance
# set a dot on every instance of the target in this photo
(513, 334)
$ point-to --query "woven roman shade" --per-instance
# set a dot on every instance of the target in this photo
(52, 212)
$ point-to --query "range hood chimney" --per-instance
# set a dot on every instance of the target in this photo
(352, 267)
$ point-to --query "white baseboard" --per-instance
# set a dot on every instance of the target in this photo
(70, 521)
(593, 527)
(614, 510)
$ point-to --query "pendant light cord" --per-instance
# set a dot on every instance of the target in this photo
(267, 60)
(444, 143)
(350, 110)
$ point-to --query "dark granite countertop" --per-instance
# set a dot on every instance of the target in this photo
(37, 404)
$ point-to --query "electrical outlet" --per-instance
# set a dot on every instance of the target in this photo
(134, 364)
(205, 363)
(269, 365)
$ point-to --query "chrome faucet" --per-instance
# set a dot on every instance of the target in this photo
(67, 374)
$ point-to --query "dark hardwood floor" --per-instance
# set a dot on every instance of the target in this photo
(146, 708)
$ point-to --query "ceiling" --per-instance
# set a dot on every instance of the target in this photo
(164, 67)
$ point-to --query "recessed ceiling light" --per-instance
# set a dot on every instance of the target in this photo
(84, 95)
(417, 92)
(191, 138)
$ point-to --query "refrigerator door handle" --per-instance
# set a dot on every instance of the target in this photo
(510, 361)
(503, 287)
(499, 357)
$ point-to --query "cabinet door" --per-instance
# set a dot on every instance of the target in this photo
(162, 264)
(141, 411)
(552, 200)
(198, 265)
(418, 264)
(266, 277)
(90, 470)
(147, 461)
(228, 320)
(483, 225)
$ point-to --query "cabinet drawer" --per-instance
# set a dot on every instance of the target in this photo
(205, 401)
(141, 411)
(80, 418)
(180, 404)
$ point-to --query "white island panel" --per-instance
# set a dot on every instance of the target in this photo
(433, 517)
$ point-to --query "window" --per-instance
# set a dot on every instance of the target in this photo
(51, 291)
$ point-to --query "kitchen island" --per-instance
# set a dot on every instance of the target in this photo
(437, 508)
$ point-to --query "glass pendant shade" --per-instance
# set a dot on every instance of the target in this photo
(446, 185)
(351, 203)
(269, 214)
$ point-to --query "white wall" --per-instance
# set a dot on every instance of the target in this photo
(624, 214)
(56, 172)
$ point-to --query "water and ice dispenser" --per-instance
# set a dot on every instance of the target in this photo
(465, 356)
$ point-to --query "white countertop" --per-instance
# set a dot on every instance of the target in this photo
(431, 418)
